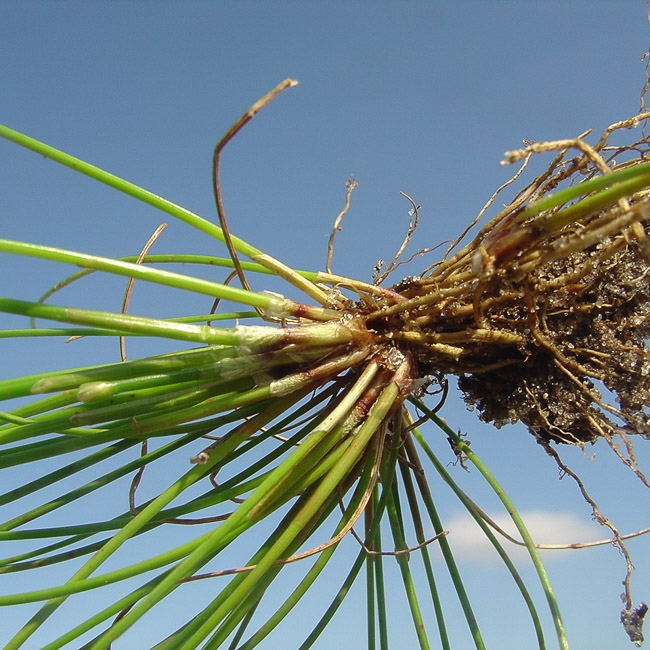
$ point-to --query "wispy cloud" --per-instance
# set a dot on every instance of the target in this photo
(546, 527)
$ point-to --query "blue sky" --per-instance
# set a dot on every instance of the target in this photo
(420, 97)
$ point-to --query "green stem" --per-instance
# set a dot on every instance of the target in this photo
(124, 323)
(142, 518)
(483, 526)
(105, 479)
(640, 172)
(592, 204)
(387, 473)
(124, 186)
(139, 272)
(516, 518)
(450, 561)
(419, 534)
(403, 563)
(289, 532)
(100, 617)
(318, 566)
(111, 577)
(59, 474)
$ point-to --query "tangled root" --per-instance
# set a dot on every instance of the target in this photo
(584, 321)
(545, 315)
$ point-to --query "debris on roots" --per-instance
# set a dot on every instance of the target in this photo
(546, 314)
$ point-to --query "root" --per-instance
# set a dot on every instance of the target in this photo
(548, 308)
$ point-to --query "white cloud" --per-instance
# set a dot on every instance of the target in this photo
(469, 543)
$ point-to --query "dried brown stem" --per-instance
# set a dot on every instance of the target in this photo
(216, 157)
(350, 185)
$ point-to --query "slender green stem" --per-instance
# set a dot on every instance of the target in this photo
(191, 635)
(516, 518)
(376, 566)
(318, 566)
(282, 475)
(592, 204)
(243, 626)
(640, 172)
(124, 323)
(484, 527)
(147, 403)
(140, 272)
(322, 492)
(234, 487)
(85, 331)
(396, 527)
(123, 186)
(116, 431)
(71, 378)
(68, 470)
(448, 556)
(21, 561)
(111, 577)
(97, 483)
(101, 616)
(141, 519)
(382, 613)
(146, 367)
(61, 331)
(387, 473)
(419, 533)
(371, 614)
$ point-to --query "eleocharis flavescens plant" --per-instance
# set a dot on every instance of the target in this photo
(306, 409)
